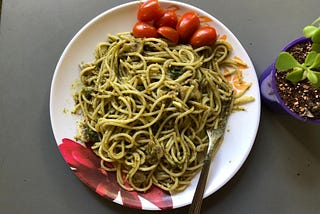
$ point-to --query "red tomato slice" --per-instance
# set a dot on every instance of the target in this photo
(143, 29)
(204, 36)
(149, 10)
(187, 25)
(169, 33)
(169, 19)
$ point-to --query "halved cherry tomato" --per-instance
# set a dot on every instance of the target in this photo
(187, 25)
(149, 10)
(169, 19)
(169, 33)
(205, 35)
(143, 29)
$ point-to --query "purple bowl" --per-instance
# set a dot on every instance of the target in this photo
(269, 91)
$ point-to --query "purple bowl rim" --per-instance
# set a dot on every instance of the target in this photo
(274, 86)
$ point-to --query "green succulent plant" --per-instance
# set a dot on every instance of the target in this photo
(310, 69)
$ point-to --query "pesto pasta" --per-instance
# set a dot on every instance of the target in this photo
(146, 106)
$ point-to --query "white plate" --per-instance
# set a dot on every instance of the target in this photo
(232, 154)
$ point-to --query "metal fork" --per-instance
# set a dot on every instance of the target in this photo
(214, 136)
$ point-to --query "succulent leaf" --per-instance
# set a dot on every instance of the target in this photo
(312, 77)
(296, 75)
(316, 62)
(316, 36)
(308, 31)
(310, 58)
(286, 61)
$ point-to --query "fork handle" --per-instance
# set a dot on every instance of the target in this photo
(195, 206)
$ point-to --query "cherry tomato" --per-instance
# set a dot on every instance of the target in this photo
(169, 19)
(149, 10)
(169, 33)
(143, 29)
(187, 25)
(205, 35)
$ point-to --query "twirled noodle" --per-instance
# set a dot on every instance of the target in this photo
(146, 105)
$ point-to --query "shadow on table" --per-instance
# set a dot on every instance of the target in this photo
(306, 133)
